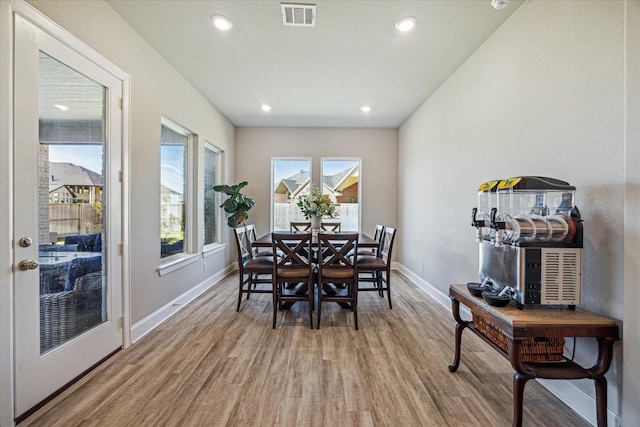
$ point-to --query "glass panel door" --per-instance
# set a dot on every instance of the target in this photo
(70, 203)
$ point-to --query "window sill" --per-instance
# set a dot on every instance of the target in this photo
(213, 248)
(177, 263)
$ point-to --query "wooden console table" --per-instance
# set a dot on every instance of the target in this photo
(518, 326)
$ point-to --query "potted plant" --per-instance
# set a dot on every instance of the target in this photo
(237, 204)
(316, 206)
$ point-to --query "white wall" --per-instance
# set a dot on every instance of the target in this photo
(378, 149)
(157, 90)
(631, 358)
(544, 95)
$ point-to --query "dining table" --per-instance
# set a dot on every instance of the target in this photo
(364, 241)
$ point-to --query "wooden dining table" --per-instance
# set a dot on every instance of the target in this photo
(364, 241)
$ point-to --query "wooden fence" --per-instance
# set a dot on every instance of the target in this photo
(71, 219)
(287, 212)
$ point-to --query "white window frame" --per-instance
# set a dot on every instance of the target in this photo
(347, 159)
(190, 252)
(218, 243)
(272, 182)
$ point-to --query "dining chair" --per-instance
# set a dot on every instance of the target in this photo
(377, 269)
(377, 235)
(293, 279)
(337, 271)
(330, 226)
(253, 265)
(299, 226)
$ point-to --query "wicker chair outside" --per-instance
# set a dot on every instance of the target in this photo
(67, 314)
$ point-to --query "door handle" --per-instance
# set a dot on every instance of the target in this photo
(28, 264)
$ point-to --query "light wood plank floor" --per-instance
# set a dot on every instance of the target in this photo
(211, 366)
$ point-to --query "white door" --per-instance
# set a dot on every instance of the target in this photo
(67, 199)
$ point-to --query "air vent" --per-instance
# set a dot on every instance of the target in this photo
(298, 15)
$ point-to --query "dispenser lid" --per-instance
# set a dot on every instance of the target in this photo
(536, 183)
(488, 186)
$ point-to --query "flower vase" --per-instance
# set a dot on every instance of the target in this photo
(315, 224)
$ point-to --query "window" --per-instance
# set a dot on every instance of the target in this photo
(290, 177)
(341, 182)
(174, 151)
(212, 176)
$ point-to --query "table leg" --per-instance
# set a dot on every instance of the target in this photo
(460, 325)
(519, 381)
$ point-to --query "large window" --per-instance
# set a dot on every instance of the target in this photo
(212, 176)
(341, 182)
(174, 153)
(290, 177)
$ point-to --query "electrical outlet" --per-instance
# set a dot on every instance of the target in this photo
(421, 265)
(204, 266)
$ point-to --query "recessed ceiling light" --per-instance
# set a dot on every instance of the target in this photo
(499, 4)
(406, 24)
(61, 107)
(365, 108)
(221, 22)
(266, 107)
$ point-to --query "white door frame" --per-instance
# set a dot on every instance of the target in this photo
(7, 10)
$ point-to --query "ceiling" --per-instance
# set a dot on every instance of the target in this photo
(315, 76)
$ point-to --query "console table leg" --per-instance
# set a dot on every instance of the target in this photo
(456, 360)
(519, 381)
(601, 400)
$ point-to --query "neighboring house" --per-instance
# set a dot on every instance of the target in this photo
(289, 188)
(69, 183)
(341, 187)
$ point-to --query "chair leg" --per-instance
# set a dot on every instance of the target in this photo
(388, 281)
(319, 304)
(240, 290)
(275, 303)
(310, 293)
(354, 303)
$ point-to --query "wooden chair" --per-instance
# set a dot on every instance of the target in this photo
(330, 226)
(299, 226)
(336, 268)
(377, 269)
(377, 235)
(252, 264)
(292, 271)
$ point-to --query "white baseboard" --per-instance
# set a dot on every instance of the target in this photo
(573, 396)
(153, 320)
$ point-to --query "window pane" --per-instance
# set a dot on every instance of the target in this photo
(341, 182)
(291, 177)
(172, 191)
(211, 168)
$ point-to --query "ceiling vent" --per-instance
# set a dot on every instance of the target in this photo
(298, 15)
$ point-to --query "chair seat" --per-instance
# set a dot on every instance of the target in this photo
(337, 273)
(259, 264)
(294, 273)
(264, 254)
(369, 262)
(366, 252)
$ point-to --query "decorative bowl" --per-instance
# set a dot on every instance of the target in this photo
(492, 298)
(476, 288)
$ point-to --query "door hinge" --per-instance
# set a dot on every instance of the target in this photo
(120, 176)
(121, 103)
(121, 249)
(121, 322)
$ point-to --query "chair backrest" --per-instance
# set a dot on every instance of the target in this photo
(377, 232)
(330, 226)
(339, 252)
(299, 226)
(386, 243)
(245, 235)
(296, 255)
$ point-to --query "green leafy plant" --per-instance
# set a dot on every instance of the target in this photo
(237, 204)
(316, 204)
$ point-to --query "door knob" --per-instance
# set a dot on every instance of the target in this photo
(28, 264)
(25, 242)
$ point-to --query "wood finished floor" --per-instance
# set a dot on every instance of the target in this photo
(211, 366)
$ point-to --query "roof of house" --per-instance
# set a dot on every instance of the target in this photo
(70, 174)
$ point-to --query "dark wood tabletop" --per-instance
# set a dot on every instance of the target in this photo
(364, 241)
